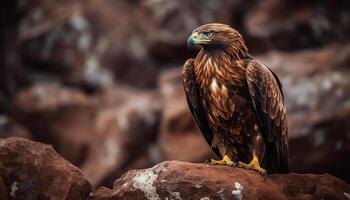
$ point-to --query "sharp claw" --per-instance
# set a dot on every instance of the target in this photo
(208, 161)
(265, 175)
(235, 164)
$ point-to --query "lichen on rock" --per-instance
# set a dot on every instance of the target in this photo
(144, 180)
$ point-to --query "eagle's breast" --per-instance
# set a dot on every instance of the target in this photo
(225, 97)
(219, 80)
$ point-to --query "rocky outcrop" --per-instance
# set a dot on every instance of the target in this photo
(180, 180)
(35, 171)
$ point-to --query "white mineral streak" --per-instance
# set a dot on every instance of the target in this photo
(144, 180)
(13, 189)
(176, 195)
(237, 192)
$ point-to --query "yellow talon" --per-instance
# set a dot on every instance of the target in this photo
(225, 161)
(253, 165)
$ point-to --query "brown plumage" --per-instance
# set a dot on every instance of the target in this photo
(236, 101)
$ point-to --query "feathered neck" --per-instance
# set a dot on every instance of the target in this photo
(218, 63)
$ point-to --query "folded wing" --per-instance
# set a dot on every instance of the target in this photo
(193, 100)
(268, 100)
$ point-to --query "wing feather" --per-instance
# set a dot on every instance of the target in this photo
(266, 92)
(193, 100)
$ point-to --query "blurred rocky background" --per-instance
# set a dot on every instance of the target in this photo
(101, 80)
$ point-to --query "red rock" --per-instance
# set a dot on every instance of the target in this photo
(180, 139)
(59, 116)
(35, 171)
(180, 180)
(324, 147)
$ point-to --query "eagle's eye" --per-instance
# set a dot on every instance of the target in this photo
(210, 34)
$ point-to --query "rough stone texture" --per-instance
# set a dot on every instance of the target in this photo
(180, 180)
(33, 170)
(179, 134)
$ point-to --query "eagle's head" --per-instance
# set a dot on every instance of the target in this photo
(215, 36)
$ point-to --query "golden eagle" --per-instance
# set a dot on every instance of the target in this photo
(236, 101)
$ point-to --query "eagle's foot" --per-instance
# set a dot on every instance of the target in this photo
(225, 161)
(253, 165)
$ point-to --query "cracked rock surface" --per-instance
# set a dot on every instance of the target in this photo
(182, 180)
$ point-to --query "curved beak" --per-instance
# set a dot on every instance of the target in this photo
(196, 39)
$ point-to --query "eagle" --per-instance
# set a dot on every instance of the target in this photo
(236, 101)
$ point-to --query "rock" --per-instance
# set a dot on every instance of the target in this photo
(3, 190)
(59, 116)
(56, 42)
(33, 170)
(290, 25)
(324, 147)
(181, 180)
(127, 127)
(105, 134)
(179, 134)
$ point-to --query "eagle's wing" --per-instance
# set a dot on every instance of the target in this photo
(193, 100)
(268, 100)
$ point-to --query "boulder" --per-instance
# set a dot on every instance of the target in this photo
(57, 115)
(33, 170)
(181, 180)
